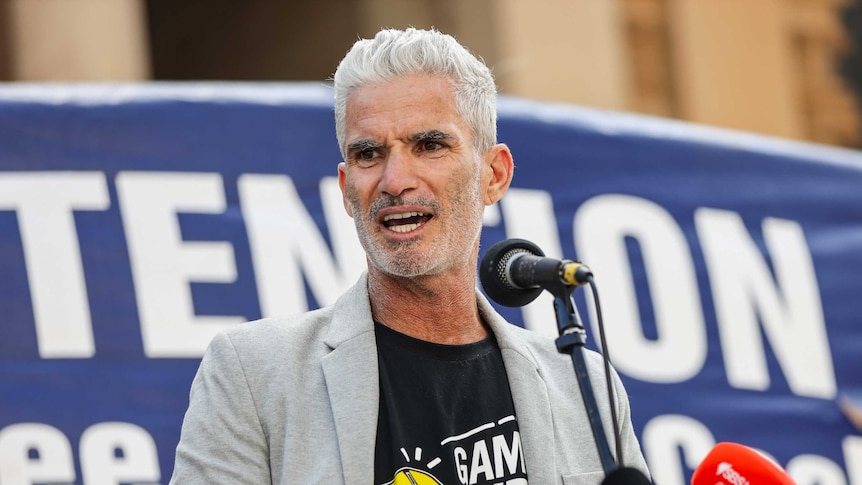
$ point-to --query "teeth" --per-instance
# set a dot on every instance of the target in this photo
(404, 228)
(404, 215)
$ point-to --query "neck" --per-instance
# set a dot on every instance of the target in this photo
(437, 308)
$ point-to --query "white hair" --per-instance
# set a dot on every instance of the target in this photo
(395, 53)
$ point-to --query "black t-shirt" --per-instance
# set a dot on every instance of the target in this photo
(446, 414)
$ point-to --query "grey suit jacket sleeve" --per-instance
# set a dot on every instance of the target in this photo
(222, 440)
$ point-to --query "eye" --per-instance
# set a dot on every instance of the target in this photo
(432, 143)
(431, 146)
(365, 157)
(366, 154)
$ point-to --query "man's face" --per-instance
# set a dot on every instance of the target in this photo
(412, 180)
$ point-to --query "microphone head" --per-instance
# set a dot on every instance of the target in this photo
(736, 464)
(494, 269)
(626, 476)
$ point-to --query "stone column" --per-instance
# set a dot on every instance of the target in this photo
(76, 40)
(733, 65)
(563, 50)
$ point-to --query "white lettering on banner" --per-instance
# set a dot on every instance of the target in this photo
(111, 453)
(116, 453)
(44, 202)
(601, 227)
(852, 448)
(342, 232)
(35, 453)
(492, 216)
(284, 239)
(743, 290)
(163, 265)
(815, 470)
(663, 438)
(530, 215)
(287, 246)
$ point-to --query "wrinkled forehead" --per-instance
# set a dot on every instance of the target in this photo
(419, 84)
(413, 104)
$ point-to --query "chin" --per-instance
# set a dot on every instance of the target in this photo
(400, 270)
(405, 266)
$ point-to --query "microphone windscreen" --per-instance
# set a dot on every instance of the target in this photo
(493, 271)
(626, 476)
(736, 464)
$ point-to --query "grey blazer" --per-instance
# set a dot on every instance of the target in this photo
(294, 401)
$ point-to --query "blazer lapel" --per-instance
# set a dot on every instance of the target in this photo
(352, 382)
(530, 395)
(354, 389)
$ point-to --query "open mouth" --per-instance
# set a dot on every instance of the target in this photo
(405, 221)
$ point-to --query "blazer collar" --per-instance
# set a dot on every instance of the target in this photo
(352, 381)
(353, 384)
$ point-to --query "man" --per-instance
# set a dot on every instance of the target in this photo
(411, 376)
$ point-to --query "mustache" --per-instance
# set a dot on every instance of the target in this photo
(385, 201)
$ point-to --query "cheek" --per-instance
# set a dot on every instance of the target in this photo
(354, 200)
(351, 198)
(465, 193)
(345, 199)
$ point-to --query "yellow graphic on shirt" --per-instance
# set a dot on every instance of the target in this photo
(412, 476)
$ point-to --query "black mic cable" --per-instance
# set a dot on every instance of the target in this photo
(606, 358)
(514, 272)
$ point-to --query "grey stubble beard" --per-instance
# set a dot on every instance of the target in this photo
(396, 258)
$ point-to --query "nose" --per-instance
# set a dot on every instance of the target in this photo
(399, 174)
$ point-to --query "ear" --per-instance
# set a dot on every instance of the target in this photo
(497, 173)
(342, 175)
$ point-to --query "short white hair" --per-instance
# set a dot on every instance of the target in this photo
(394, 53)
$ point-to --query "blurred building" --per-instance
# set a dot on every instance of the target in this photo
(780, 67)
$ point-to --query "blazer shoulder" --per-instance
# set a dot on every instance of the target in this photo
(276, 334)
(543, 348)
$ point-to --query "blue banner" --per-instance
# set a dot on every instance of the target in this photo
(136, 221)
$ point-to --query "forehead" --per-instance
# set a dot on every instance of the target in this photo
(402, 106)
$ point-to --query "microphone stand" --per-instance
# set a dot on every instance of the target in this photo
(571, 341)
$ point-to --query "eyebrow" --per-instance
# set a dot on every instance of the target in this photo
(430, 135)
(360, 145)
(364, 144)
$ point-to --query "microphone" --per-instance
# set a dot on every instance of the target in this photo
(736, 464)
(626, 476)
(515, 271)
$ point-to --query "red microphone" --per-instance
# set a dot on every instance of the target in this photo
(735, 464)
